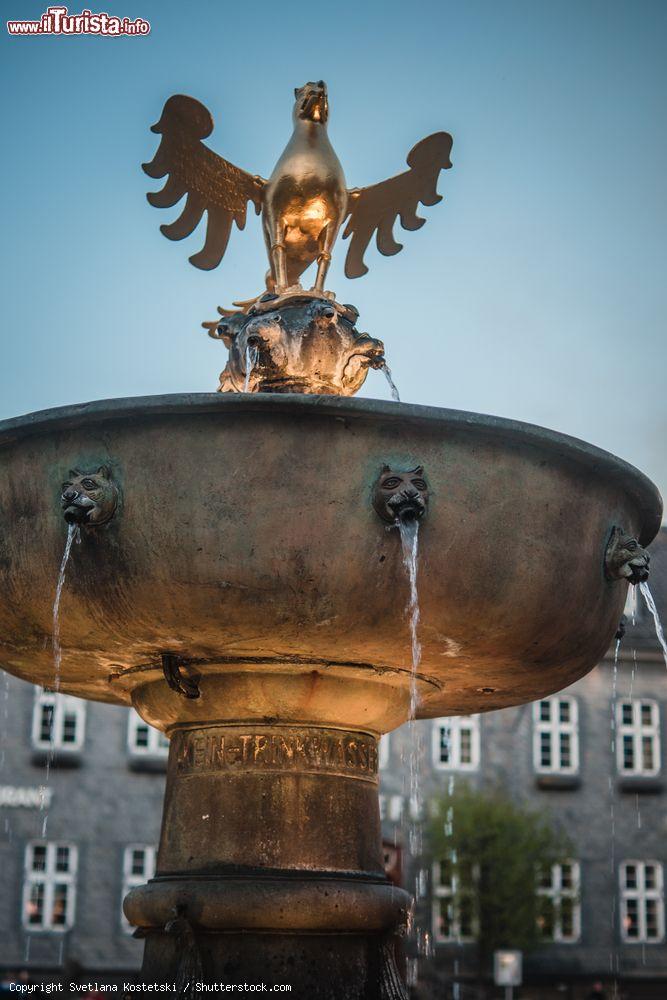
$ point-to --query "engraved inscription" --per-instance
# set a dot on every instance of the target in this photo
(314, 750)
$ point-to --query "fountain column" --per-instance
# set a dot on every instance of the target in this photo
(270, 865)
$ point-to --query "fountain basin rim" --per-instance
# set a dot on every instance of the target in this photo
(637, 485)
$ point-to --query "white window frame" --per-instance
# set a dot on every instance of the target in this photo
(443, 894)
(383, 752)
(556, 891)
(641, 895)
(62, 706)
(157, 745)
(636, 732)
(552, 730)
(454, 726)
(133, 879)
(49, 877)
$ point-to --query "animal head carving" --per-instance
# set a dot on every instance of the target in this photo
(309, 345)
(625, 559)
(400, 496)
(312, 102)
(89, 498)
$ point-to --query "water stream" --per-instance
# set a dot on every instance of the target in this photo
(4, 740)
(409, 532)
(386, 371)
(5, 717)
(612, 803)
(650, 604)
(73, 533)
(456, 986)
(633, 672)
(633, 605)
(251, 359)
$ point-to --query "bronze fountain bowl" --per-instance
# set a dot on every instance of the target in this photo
(245, 541)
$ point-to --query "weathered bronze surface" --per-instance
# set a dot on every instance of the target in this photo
(295, 343)
(625, 558)
(304, 202)
(89, 498)
(270, 831)
(234, 504)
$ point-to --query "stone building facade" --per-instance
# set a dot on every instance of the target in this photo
(593, 757)
(68, 856)
(73, 842)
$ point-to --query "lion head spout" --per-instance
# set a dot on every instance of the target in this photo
(400, 496)
(89, 498)
(625, 559)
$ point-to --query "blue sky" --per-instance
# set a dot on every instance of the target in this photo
(536, 290)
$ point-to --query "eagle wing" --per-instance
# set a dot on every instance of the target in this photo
(211, 183)
(377, 207)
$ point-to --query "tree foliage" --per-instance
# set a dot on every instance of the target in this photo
(498, 852)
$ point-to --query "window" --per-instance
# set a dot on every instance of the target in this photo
(49, 886)
(559, 908)
(383, 751)
(138, 868)
(453, 902)
(456, 743)
(642, 901)
(58, 721)
(144, 739)
(556, 736)
(638, 743)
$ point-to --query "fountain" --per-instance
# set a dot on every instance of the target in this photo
(240, 578)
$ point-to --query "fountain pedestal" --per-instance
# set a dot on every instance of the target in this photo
(270, 862)
(271, 846)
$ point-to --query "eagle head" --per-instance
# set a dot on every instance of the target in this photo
(311, 102)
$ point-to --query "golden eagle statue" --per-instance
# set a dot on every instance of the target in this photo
(304, 202)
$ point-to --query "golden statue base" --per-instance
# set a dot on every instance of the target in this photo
(301, 341)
